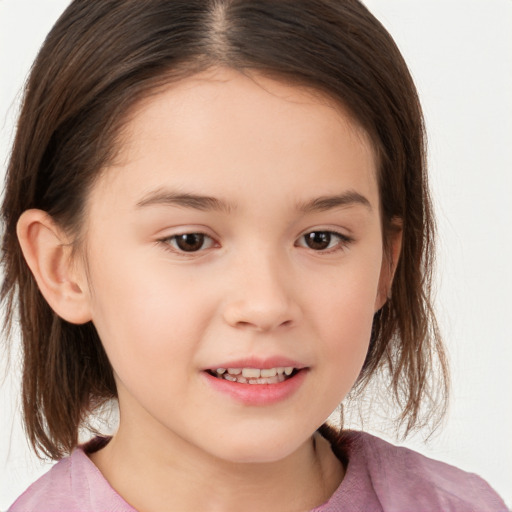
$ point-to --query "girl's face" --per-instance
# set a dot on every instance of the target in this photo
(239, 229)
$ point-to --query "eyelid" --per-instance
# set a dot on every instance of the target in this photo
(344, 240)
(165, 241)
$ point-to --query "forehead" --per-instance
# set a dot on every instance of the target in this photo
(221, 128)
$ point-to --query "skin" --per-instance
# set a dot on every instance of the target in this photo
(254, 289)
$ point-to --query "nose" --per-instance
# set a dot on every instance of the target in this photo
(260, 296)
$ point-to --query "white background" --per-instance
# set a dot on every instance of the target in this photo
(460, 53)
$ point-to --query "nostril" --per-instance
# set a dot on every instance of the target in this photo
(261, 312)
(242, 323)
(263, 325)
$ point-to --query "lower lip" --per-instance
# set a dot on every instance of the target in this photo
(257, 394)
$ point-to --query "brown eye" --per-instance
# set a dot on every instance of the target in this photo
(318, 240)
(323, 240)
(190, 242)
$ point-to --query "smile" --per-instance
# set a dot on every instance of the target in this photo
(255, 375)
(269, 385)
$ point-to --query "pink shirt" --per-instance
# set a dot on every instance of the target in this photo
(380, 477)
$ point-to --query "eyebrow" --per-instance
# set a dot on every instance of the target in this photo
(320, 204)
(208, 203)
(185, 200)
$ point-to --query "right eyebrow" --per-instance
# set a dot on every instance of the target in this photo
(185, 200)
(324, 203)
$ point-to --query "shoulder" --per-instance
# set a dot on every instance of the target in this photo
(49, 491)
(73, 484)
(403, 479)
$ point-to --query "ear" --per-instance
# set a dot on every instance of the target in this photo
(389, 263)
(48, 253)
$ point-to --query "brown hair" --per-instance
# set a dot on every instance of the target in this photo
(100, 58)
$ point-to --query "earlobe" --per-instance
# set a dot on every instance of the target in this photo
(389, 264)
(49, 256)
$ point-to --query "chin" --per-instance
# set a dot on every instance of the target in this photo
(254, 449)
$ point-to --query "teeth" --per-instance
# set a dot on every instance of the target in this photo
(251, 373)
(255, 375)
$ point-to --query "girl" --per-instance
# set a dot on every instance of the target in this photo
(217, 214)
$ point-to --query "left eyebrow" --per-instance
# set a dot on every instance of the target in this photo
(185, 200)
(320, 204)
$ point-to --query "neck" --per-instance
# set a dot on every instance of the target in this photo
(177, 476)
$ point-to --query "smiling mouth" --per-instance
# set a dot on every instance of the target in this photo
(255, 375)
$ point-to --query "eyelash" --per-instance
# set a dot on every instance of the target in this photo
(342, 241)
(171, 243)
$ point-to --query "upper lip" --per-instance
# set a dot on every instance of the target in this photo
(261, 363)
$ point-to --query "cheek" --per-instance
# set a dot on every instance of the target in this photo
(345, 307)
(345, 297)
(141, 315)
